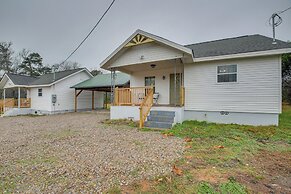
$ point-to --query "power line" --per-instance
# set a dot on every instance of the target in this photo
(89, 32)
(284, 10)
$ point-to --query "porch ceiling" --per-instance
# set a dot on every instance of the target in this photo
(147, 66)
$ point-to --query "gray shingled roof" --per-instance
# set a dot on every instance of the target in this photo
(49, 78)
(21, 79)
(242, 44)
(41, 80)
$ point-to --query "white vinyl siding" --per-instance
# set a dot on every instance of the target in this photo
(41, 103)
(258, 88)
(145, 53)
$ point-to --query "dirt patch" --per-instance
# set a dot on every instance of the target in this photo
(211, 175)
(273, 173)
(142, 186)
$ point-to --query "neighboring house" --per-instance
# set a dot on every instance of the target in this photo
(49, 93)
(234, 80)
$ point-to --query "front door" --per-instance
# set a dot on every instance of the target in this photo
(175, 88)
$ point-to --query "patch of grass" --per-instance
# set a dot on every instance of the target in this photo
(63, 134)
(113, 190)
(205, 187)
(226, 148)
(145, 129)
(126, 122)
(135, 172)
(37, 161)
(138, 143)
(237, 141)
(232, 187)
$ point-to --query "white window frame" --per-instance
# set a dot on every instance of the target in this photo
(217, 74)
(38, 92)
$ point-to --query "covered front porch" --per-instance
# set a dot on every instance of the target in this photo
(22, 101)
(156, 86)
(162, 82)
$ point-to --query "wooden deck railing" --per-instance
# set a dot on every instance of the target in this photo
(13, 103)
(1, 108)
(130, 96)
(182, 96)
(145, 107)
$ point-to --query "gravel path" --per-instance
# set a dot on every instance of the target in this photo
(75, 152)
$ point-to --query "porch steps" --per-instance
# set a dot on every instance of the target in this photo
(160, 119)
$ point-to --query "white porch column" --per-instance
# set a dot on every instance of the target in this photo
(4, 96)
(19, 97)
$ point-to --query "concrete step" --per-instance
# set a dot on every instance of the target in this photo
(161, 118)
(155, 124)
(162, 113)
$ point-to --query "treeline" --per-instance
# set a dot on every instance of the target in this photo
(29, 63)
(286, 77)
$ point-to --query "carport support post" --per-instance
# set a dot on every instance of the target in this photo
(113, 77)
(19, 96)
(76, 100)
(93, 100)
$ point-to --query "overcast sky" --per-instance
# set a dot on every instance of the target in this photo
(55, 27)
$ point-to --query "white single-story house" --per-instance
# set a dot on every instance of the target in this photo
(234, 80)
(49, 93)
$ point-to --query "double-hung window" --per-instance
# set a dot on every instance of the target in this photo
(39, 91)
(226, 73)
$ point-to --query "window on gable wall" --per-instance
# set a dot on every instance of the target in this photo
(226, 73)
(39, 91)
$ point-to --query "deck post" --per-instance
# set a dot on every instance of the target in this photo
(19, 96)
(93, 100)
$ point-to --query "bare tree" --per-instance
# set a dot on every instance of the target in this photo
(18, 59)
(68, 65)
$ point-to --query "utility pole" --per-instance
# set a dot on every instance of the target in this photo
(275, 20)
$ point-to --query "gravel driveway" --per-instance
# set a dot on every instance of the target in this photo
(75, 152)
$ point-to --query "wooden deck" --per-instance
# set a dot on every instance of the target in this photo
(13, 103)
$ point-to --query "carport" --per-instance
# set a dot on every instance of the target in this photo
(100, 83)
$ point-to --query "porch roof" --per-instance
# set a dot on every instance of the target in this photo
(103, 82)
